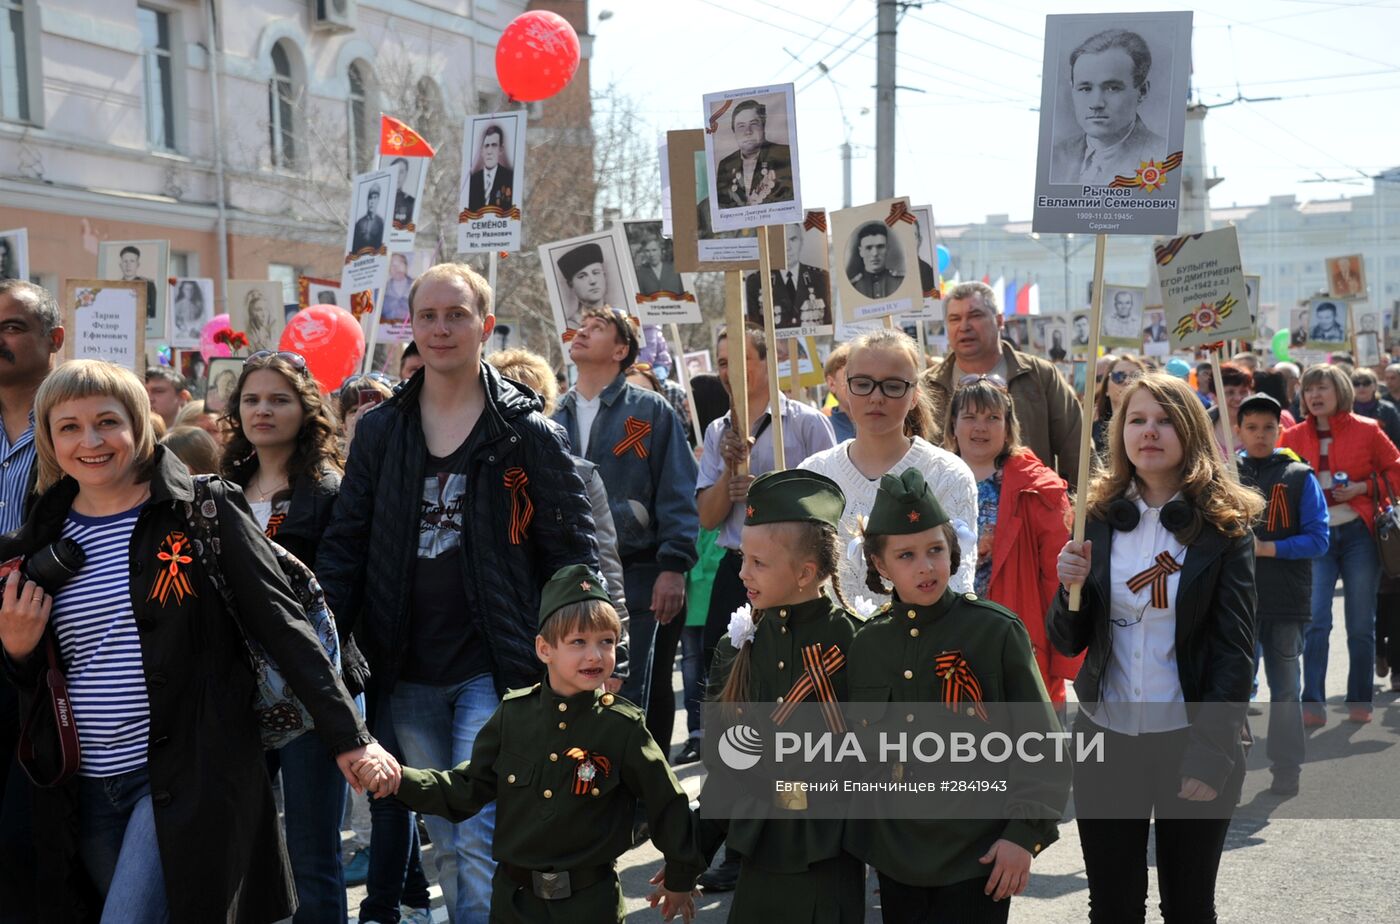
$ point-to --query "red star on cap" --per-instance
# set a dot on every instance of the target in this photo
(748, 511)
(585, 585)
(913, 516)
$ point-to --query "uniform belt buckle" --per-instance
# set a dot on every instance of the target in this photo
(791, 796)
(551, 886)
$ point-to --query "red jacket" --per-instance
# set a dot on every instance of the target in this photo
(1359, 447)
(1033, 519)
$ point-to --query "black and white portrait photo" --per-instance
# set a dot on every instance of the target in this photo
(1154, 332)
(1346, 276)
(255, 308)
(582, 273)
(191, 307)
(14, 253)
(878, 249)
(493, 182)
(410, 174)
(801, 289)
(751, 150)
(1122, 315)
(1113, 111)
(1328, 323)
(366, 248)
(923, 230)
(1079, 326)
(368, 232)
(145, 262)
(663, 295)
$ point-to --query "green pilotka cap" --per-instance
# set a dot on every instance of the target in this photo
(571, 584)
(904, 504)
(794, 496)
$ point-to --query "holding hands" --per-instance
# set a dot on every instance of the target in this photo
(371, 768)
(672, 903)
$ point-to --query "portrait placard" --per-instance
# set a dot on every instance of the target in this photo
(663, 296)
(1079, 327)
(1156, 340)
(878, 250)
(390, 310)
(809, 363)
(1122, 316)
(140, 261)
(1251, 289)
(585, 272)
(410, 173)
(312, 290)
(1203, 288)
(801, 283)
(191, 307)
(699, 362)
(1364, 320)
(1112, 123)
(222, 380)
(1017, 332)
(751, 157)
(1346, 276)
(192, 365)
(665, 164)
(366, 237)
(14, 253)
(1368, 348)
(508, 334)
(255, 308)
(493, 182)
(105, 319)
(932, 305)
(1052, 331)
(697, 246)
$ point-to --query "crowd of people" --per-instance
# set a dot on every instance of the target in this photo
(515, 564)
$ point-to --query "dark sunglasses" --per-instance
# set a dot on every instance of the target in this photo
(296, 359)
(863, 385)
(374, 376)
(1123, 378)
(992, 377)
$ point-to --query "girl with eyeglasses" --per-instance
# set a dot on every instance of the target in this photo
(893, 420)
(1023, 516)
(282, 451)
(1166, 617)
(1123, 370)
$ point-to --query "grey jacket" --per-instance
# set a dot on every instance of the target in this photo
(605, 531)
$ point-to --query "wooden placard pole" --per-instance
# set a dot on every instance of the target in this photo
(678, 356)
(1086, 410)
(738, 356)
(923, 357)
(795, 366)
(491, 270)
(765, 273)
(1223, 406)
(371, 341)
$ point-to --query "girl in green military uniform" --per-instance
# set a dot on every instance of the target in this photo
(794, 869)
(931, 645)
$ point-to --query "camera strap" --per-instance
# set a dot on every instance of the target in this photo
(51, 697)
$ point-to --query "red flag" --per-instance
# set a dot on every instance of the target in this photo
(1023, 300)
(397, 138)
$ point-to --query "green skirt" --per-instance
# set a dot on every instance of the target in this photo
(512, 903)
(829, 892)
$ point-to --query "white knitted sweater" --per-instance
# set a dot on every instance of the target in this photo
(948, 476)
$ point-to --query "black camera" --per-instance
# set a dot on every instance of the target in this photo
(51, 567)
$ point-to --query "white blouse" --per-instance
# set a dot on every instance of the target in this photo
(1142, 654)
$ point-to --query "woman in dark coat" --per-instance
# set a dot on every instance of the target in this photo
(170, 815)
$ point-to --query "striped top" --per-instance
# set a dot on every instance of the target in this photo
(97, 634)
(16, 462)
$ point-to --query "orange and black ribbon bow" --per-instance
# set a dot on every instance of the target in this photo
(818, 666)
(274, 523)
(718, 114)
(815, 220)
(171, 578)
(1277, 516)
(959, 682)
(1156, 575)
(522, 510)
(899, 211)
(589, 766)
(637, 432)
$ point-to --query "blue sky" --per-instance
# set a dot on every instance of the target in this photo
(967, 143)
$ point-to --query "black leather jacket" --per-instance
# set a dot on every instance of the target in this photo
(366, 558)
(1215, 631)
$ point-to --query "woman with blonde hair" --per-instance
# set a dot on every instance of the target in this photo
(1166, 615)
(194, 447)
(893, 420)
(170, 813)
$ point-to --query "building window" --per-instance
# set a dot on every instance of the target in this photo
(357, 115)
(184, 263)
(14, 62)
(159, 73)
(281, 99)
(286, 274)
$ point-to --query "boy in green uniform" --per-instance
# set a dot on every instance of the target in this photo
(566, 763)
(931, 645)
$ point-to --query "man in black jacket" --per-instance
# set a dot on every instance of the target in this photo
(458, 502)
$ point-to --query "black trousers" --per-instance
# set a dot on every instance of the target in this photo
(1388, 629)
(17, 869)
(661, 699)
(1115, 848)
(963, 902)
(726, 596)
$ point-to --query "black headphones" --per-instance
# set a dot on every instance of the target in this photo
(1179, 516)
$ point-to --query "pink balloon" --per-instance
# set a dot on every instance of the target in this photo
(208, 348)
(330, 339)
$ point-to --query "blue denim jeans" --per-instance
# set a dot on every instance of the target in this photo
(640, 580)
(395, 867)
(1282, 643)
(436, 727)
(1352, 557)
(313, 796)
(693, 677)
(117, 842)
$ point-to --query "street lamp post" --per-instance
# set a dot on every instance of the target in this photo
(1065, 254)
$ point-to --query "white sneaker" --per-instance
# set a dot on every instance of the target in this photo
(409, 915)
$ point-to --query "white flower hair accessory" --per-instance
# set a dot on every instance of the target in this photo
(741, 627)
(855, 549)
(864, 607)
(966, 537)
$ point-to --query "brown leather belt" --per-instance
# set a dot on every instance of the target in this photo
(557, 885)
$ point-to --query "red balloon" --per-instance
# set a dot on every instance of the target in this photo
(330, 340)
(537, 55)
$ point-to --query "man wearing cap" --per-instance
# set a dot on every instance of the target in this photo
(636, 440)
(586, 276)
(567, 763)
(1293, 532)
(950, 662)
(369, 230)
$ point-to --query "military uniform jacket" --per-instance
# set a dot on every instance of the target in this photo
(775, 666)
(566, 774)
(893, 661)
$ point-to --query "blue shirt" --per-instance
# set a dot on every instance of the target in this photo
(16, 464)
(1312, 538)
